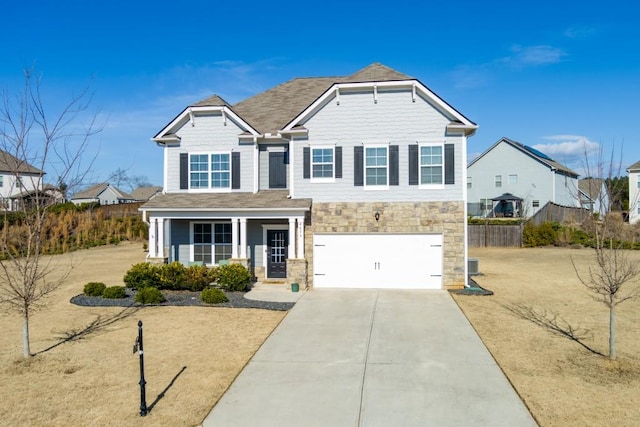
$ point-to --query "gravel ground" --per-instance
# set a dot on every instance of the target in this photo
(182, 298)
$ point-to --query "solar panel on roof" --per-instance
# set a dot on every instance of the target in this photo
(537, 153)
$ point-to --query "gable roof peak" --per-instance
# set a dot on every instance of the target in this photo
(377, 72)
(212, 101)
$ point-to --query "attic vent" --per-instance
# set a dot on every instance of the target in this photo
(473, 266)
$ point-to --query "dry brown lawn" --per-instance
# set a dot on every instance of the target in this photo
(561, 382)
(94, 380)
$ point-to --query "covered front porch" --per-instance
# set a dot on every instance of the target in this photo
(262, 231)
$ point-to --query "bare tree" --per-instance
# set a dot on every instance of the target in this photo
(31, 141)
(121, 178)
(611, 269)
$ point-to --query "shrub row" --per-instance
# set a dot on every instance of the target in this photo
(99, 289)
(175, 276)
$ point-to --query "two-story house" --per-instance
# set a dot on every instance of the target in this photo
(355, 181)
(634, 192)
(524, 173)
(18, 179)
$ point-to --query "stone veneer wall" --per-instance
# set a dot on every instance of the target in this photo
(446, 218)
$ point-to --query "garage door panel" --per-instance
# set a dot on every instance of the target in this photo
(398, 261)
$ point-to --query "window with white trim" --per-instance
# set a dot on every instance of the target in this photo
(431, 164)
(210, 171)
(536, 203)
(498, 181)
(376, 166)
(513, 179)
(469, 185)
(211, 242)
(322, 163)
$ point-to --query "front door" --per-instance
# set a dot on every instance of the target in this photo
(277, 243)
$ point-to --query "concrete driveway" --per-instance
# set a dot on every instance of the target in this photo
(372, 358)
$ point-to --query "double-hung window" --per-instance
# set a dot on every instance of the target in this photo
(211, 242)
(376, 166)
(431, 165)
(210, 171)
(498, 181)
(322, 163)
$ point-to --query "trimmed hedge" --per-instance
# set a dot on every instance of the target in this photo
(149, 295)
(94, 289)
(233, 277)
(115, 292)
(213, 296)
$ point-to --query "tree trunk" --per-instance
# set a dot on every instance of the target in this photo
(26, 349)
(612, 332)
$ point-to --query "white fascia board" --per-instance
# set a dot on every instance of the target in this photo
(189, 111)
(409, 84)
(279, 213)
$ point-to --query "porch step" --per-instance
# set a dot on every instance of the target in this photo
(270, 284)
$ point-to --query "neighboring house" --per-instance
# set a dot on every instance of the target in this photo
(355, 181)
(17, 178)
(103, 193)
(511, 167)
(594, 196)
(142, 194)
(634, 192)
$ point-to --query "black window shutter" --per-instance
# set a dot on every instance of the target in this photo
(394, 161)
(277, 170)
(413, 165)
(306, 163)
(358, 159)
(184, 171)
(449, 164)
(235, 171)
(338, 154)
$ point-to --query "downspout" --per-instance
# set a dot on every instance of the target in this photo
(465, 210)
(553, 188)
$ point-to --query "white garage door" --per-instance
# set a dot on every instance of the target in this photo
(393, 261)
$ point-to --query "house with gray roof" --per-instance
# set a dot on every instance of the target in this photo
(350, 181)
(17, 178)
(634, 192)
(594, 196)
(103, 193)
(509, 166)
(142, 194)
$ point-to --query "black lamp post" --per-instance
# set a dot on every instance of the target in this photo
(139, 348)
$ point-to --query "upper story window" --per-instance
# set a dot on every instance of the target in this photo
(322, 165)
(376, 165)
(1, 181)
(513, 179)
(431, 165)
(469, 185)
(498, 181)
(210, 171)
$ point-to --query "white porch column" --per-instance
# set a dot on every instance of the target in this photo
(291, 250)
(300, 238)
(243, 237)
(153, 229)
(160, 238)
(234, 237)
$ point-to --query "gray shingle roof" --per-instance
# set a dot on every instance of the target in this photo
(542, 158)
(591, 187)
(271, 110)
(268, 199)
(634, 167)
(95, 190)
(11, 164)
(144, 193)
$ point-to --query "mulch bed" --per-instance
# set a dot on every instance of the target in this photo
(473, 289)
(181, 298)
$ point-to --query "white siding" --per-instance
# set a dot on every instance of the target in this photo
(634, 197)
(536, 181)
(209, 134)
(395, 120)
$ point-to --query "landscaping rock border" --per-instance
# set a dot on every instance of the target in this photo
(181, 298)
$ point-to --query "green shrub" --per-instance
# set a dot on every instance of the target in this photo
(545, 234)
(171, 276)
(149, 295)
(94, 289)
(141, 275)
(114, 292)
(233, 277)
(213, 296)
(213, 275)
(196, 278)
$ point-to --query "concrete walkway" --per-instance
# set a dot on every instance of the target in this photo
(372, 358)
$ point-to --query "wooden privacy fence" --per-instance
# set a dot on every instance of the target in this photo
(552, 212)
(497, 235)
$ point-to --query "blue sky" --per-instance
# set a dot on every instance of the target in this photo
(559, 76)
